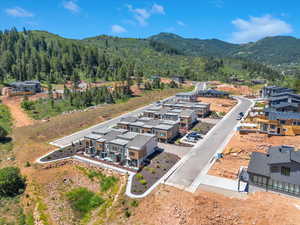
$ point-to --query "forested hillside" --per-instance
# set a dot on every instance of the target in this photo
(270, 50)
(50, 58)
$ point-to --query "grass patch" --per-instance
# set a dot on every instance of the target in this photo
(83, 201)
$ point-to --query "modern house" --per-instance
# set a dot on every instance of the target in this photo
(178, 79)
(285, 102)
(269, 91)
(187, 96)
(165, 130)
(23, 88)
(213, 93)
(202, 109)
(120, 146)
(279, 123)
(278, 170)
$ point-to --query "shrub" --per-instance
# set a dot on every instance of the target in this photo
(83, 201)
(11, 181)
(3, 132)
(127, 213)
(27, 105)
(139, 176)
(134, 203)
(27, 164)
(107, 183)
(143, 182)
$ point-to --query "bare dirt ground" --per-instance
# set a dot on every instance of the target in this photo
(170, 206)
(20, 118)
(219, 104)
(238, 151)
(235, 89)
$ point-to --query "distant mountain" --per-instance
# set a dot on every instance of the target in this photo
(271, 50)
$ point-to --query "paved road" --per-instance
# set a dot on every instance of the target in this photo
(67, 140)
(200, 155)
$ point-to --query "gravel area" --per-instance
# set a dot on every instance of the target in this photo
(159, 166)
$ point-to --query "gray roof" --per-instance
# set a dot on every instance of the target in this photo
(93, 136)
(285, 104)
(163, 127)
(273, 115)
(213, 92)
(285, 94)
(187, 113)
(102, 131)
(258, 164)
(139, 141)
(128, 135)
(129, 119)
(119, 141)
(186, 94)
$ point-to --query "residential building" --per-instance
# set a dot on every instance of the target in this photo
(119, 146)
(279, 123)
(187, 96)
(278, 170)
(178, 79)
(165, 130)
(285, 102)
(23, 88)
(202, 109)
(213, 93)
(269, 91)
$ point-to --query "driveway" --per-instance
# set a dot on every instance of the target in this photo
(196, 160)
(180, 151)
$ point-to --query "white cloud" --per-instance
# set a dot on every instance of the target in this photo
(71, 6)
(158, 9)
(258, 27)
(141, 15)
(180, 23)
(18, 12)
(118, 29)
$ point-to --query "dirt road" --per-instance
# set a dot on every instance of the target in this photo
(20, 118)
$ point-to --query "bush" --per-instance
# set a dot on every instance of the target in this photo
(3, 132)
(127, 213)
(27, 164)
(83, 201)
(27, 105)
(11, 181)
(139, 176)
(143, 182)
(107, 183)
(134, 203)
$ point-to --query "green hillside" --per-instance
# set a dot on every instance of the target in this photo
(270, 50)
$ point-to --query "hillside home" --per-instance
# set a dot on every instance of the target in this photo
(269, 91)
(279, 123)
(23, 88)
(178, 79)
(285, 102)
(165, 130)
(202, 109)
(278, 170)
(213, 93)
(187, 96)
(120, 146)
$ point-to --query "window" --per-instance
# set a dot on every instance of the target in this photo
(272, 126)
(274, 169)
(285, 171)
(282, 121)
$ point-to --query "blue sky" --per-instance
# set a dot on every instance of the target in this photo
(237, 21)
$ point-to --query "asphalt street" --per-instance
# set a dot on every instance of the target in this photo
(199, 156)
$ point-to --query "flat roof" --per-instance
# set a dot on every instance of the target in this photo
(119, 141)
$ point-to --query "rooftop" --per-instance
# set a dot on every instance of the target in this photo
(139, 141)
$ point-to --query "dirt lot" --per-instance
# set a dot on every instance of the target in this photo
(19, 116)
(219, 104)
(170, 206)
(237, 153)
(235, 89)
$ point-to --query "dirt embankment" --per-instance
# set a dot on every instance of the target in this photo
(236, 89)
(170, 206)
(223, 105)
(238, 151)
